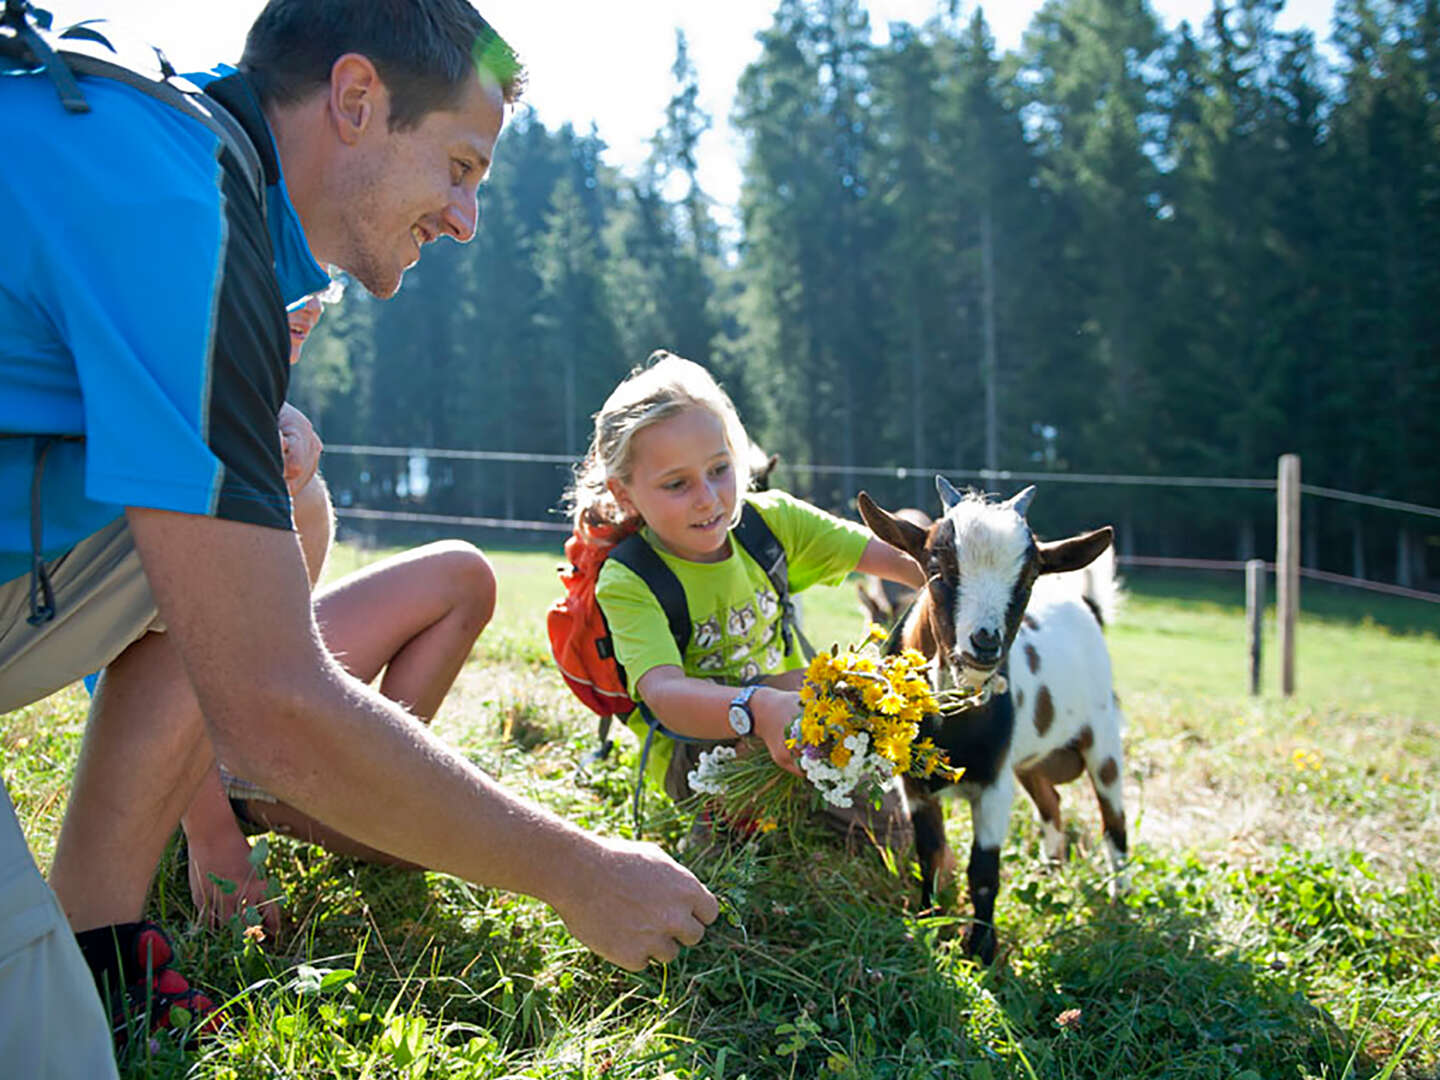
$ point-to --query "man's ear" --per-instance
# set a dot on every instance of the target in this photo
(358, 97)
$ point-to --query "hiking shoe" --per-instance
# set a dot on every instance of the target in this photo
(131, 965)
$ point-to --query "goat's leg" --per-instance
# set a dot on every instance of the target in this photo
(1105, 764)
(1047, 802)
(927, 817)
(990, 814)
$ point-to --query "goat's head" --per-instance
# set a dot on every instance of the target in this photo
(762, 465)
(981, 560)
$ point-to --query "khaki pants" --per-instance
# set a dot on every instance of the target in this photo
(52, 1024)
(102, 605)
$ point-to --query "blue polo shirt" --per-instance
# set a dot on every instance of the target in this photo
(142, 306)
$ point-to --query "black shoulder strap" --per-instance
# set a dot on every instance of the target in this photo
(640, 557)
(757, 538)
(765, 548)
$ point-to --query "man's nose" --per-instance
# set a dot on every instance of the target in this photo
(462, 216)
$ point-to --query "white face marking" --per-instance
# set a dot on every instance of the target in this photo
(991, 544)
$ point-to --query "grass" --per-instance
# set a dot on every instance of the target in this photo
(1282, 921)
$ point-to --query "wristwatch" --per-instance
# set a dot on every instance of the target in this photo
(742, 720)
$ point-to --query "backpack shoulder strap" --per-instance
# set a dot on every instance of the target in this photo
(639, 556)
(757, 538)
(197, 106)
(25, 42)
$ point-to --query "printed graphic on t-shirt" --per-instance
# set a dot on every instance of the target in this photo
(741, 621)
(707, 633)
(742, 642)
(768, 603)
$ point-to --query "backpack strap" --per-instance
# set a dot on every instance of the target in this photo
(760, 541)
(27, 44)
(634, 552)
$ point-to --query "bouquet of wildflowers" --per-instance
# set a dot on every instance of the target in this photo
(859, 728)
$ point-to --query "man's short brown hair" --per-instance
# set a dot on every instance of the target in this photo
(424, 50)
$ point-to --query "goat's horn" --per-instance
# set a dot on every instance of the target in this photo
(948, 495)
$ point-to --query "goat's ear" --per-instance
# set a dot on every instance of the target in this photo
(871, 603)
(1058, 556)
(895, 531)
(1021, 502)
(946, 490)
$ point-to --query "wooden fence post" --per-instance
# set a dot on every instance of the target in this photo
(1287, 566)
(1255, 616)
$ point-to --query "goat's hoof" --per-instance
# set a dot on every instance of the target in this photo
(980, 943)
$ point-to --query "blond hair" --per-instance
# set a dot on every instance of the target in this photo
(664, 386)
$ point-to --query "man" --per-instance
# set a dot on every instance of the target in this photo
(142, 293)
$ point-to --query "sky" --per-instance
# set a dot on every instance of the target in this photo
(609, 62)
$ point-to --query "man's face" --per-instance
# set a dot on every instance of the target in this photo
(406, 188)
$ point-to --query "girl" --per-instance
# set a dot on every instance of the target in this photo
(669, 456)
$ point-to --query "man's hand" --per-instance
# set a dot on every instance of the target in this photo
(300, 446)
(631, 903)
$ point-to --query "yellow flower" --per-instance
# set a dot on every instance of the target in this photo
(837, 713)
(871, 693)
(822, 670)
(891, 703)
(812, 727)
(876, 632)
(840, 756)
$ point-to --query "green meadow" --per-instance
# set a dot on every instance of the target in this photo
(1282, 919)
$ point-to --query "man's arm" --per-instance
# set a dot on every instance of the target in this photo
(282, 712)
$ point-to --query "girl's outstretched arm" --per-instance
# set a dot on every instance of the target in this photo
(889, 562)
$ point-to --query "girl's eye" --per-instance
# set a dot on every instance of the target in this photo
(720, 469)
(673, 485)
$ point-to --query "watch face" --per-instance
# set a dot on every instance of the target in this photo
(740, 720)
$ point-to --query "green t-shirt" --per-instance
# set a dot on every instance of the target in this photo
(735, 631)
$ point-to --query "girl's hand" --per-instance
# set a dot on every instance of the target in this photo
(299, 446)
(228, 859)
(774, 710)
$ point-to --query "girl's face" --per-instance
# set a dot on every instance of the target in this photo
(682, 483)
(302, 320)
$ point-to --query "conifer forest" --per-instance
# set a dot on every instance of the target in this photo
(1120, 249)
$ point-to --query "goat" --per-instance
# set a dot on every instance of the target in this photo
(1057, 716)
(762, 465)
(885, 601)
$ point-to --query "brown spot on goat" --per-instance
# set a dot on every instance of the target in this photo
(1085, 739)
(1044, 710)
(1032, 622)
(1019, 700)
(1109, 771)
(1113, 820)
(1032, 657)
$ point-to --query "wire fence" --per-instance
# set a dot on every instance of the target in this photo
(986, 477)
